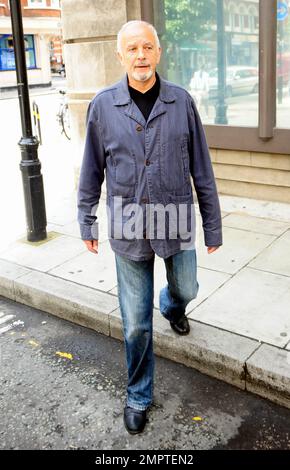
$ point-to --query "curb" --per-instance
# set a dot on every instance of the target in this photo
(246, 363)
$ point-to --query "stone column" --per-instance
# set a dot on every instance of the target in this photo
(90, 30)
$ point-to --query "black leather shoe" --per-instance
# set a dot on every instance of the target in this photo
(181, 327)
(134, 420)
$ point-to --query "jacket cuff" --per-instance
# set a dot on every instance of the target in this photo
(89, 232)
(213, 238)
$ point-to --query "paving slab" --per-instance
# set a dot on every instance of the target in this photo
(8, 273)
(46, 255)
(268, 374)
(114, 291)
(255, 224)
(62, 211)
(65, 299)
(254, 304)
(89, 269)
(275, 258)
(73, 230)
(239, 248)
(255, 207)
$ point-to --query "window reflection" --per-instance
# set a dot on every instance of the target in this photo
(192, 55)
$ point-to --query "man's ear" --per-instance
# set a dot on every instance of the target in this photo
(120, 57)
(159, 52)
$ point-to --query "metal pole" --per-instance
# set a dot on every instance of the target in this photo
(30, 166)
(280, 76)
(267, 68)
(147, 11)
(221, 107)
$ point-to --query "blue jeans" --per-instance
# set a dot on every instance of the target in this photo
(136, 291)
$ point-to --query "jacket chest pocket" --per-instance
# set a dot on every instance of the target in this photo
(174, 164)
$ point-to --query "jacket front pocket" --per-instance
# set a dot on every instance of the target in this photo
(125, 174)
(174, 164)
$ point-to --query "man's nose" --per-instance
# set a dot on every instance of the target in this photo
(140, 54)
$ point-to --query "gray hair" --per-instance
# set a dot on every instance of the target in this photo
(131, 23)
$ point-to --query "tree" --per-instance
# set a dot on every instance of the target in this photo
(187, 19)
(181, 23)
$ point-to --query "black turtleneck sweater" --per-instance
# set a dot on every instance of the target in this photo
(145, 101)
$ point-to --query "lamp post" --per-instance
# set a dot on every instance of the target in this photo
(221, 107)
(30, 165)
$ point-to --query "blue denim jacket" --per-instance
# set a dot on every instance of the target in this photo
(146, 163)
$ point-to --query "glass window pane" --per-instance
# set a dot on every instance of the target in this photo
(30, 59)
(38, 2)
(189, 32)
(7, 59)
(283, 64)
(28, 40)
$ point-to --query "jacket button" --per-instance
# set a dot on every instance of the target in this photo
(139, 128)
(147, 162)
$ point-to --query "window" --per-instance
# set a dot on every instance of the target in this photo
(237, 20)
(37, 3)
(55, 3)
(226, 42)
(190, 44)
(232, 9)
(7, 59)
(242, 13)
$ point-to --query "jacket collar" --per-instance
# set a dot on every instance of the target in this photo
(122, 95)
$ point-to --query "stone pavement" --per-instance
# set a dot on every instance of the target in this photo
(240, 321)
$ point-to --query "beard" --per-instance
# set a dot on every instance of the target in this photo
(142, 76)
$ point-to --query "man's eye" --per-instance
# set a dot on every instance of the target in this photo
(132, 49)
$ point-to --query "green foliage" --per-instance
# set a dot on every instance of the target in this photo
(188, 20)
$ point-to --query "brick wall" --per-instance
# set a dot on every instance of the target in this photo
(30, 12)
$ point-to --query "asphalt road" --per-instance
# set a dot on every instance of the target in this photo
(64, 387)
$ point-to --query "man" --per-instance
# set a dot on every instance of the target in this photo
(146, 135)
(199, 88)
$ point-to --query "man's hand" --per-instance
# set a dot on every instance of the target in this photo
(92, 245)
(211, 249)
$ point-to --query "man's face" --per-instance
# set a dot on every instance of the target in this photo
(140, 53)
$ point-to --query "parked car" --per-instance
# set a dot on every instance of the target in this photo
(240, 80)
